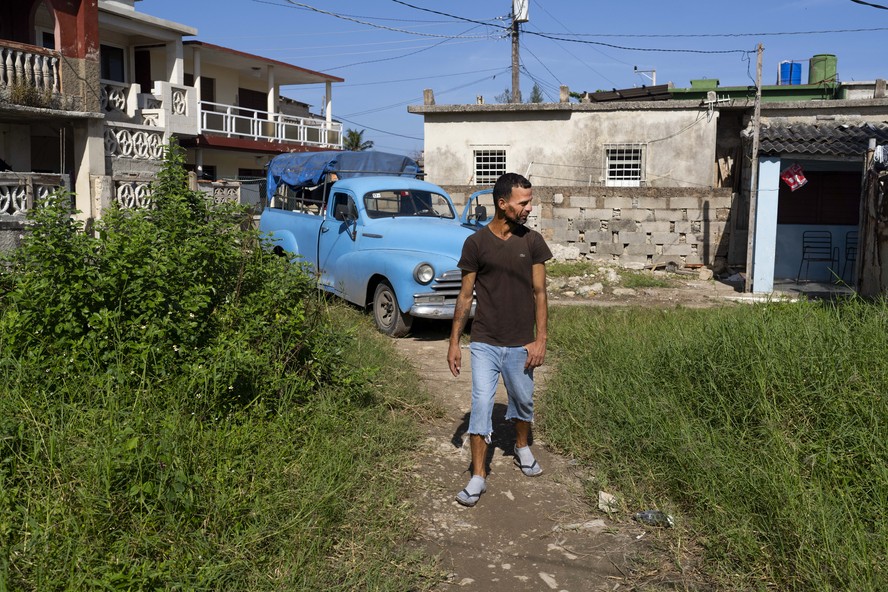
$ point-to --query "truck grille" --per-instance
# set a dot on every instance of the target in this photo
(448, 284)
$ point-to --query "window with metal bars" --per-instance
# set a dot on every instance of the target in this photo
(624, 164)
(489, 165)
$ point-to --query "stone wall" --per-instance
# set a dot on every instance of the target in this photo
(632, 227)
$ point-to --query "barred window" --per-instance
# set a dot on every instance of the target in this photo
(489, 165)
(624, 164)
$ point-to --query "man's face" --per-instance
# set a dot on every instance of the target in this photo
(518, 206)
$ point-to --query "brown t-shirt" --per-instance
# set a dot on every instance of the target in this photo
(505, 314)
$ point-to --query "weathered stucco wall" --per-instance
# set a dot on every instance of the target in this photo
(632, 227)
(567, 147)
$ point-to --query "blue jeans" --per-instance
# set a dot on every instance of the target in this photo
(489, 362)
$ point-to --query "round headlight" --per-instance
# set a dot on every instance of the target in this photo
(424, 273)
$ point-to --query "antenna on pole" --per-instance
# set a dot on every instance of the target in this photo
(519, 15)
(650, 74)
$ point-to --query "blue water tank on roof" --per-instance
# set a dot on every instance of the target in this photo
(790, 73)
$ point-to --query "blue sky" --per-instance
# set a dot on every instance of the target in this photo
(388, 51)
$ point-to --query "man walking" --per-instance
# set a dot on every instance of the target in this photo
(504, 265)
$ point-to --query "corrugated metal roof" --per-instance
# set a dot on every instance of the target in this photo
(829, 138)
(661, 92)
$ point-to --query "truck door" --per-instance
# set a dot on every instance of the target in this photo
(340, 233)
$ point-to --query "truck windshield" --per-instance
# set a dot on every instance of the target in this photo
(407, 202)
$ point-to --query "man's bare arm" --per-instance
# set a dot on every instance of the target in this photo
(460, 318)
(536, 351)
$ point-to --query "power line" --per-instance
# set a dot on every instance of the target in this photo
(552, 74)
(707, 35)
(453, 16)
(397, 57)
(418, 99)
(626, 48)
(542, 84)
(418, 48)
(347, 85)
(568, 52)
(377, 129)
(870, 4)
(556, 38)
(379, 18)
(383, 27)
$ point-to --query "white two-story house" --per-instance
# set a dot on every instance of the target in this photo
(90, 92)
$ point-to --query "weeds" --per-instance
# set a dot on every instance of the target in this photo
(626, 278)
(643, 279)
(762, 428)
(179, 409)
(28, 95)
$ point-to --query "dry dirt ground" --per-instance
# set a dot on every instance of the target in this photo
(532, 533)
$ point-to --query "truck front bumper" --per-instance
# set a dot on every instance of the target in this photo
(432, 306)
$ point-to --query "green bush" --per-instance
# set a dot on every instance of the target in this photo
(179, 410)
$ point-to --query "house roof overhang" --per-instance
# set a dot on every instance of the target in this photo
(143, 29)
(215, 142)
(828, 138)
(284, 74)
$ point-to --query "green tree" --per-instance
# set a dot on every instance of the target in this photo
(354, 140)
(506, 96)
(536, 94)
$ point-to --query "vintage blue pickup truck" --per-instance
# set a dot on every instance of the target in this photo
(374, 234)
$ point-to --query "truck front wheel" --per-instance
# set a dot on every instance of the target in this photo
(389, 318)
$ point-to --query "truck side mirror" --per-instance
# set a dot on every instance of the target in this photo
(480, 213)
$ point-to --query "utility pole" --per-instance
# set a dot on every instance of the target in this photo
(519, 15)
(753, 181)
(516, 79)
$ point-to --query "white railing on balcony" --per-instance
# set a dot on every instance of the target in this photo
(133, 141)
(118, 98)
(133, 194)
(238, 122)
(29, 66)
(19, 191)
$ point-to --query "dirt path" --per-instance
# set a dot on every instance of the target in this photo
(524, 533)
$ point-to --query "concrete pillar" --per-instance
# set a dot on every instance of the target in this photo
(198, 163)
(89, 162)
(271, 102)
(196, 59)
(428, 97)
(175, 58)
(564, 94)
(272, 92)
(765, 240)
(328, 110)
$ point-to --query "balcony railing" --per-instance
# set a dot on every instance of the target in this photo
(19, 191)
(238, 122)
(28, 66)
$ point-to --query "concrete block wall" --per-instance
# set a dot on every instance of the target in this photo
(631, 226)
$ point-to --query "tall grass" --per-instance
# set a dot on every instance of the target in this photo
(181, 410)
(763, 428)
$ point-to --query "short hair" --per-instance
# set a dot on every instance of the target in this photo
(504, 185)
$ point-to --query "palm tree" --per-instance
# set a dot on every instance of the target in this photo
(354, 140)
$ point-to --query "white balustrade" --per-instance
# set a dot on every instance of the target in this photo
(133, 194)
(179, 101)
(234, 121)
(19, 191)
(38, 68)
(133, 142)
(114, 96)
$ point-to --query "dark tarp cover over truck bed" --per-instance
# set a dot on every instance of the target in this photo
(307, 169)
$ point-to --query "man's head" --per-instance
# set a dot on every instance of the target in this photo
(512, 197)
